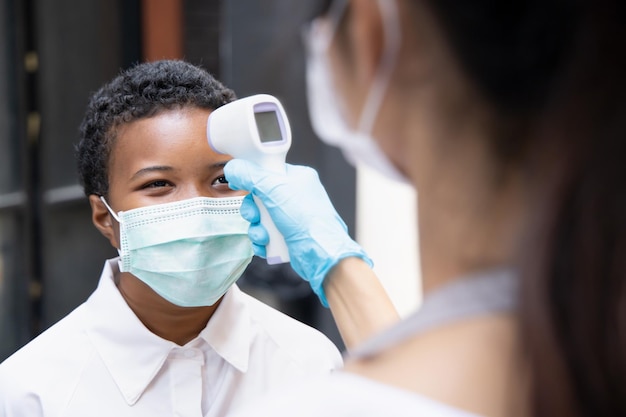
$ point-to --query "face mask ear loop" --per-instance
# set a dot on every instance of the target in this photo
(110, 209)
(393, 34)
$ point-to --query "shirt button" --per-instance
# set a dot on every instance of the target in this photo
(189, 353)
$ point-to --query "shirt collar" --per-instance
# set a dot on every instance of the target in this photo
(229, 332)
(132, 354)
(113, 328)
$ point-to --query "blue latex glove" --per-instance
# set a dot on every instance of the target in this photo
(317, 238)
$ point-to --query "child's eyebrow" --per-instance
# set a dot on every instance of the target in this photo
(220, 164)
(166, 168)
(147, 170)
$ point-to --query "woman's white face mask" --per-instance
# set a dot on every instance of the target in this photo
(327, 113)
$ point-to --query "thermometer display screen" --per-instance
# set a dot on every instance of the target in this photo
(268, 126)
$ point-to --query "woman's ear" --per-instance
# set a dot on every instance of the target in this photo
(104, 221)
(355, 55)
(366, 34)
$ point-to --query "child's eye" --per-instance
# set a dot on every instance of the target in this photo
(221, 180)
(157, 184)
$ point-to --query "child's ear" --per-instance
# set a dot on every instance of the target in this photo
(104, 221)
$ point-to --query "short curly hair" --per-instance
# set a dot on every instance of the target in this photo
(140, 92)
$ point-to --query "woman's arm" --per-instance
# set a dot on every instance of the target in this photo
(321, 250)
(358, 302)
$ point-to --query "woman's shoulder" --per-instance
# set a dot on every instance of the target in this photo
(63, 339)
(347, 394)
(46, 368)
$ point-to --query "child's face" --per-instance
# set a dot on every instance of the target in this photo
(158, 160)
(165, 158)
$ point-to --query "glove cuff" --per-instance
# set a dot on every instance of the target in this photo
(319, 288)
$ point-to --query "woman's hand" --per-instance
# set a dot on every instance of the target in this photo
(317, 238)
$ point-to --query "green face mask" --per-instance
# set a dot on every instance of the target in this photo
(190, 251)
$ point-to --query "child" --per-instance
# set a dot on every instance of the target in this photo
(167, 332)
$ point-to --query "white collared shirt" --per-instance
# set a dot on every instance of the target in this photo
(100, 360)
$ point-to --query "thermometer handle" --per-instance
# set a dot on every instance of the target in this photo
(276, 249)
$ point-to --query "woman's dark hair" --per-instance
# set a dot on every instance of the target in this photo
(559, 68)
(139, 92)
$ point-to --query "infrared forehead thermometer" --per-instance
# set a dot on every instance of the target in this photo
(255, 128)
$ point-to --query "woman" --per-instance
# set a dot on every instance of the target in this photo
(509, 120)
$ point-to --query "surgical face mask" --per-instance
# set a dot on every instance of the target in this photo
(189, 252)
(327, 114)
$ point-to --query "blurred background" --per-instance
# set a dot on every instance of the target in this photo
(55, 53)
